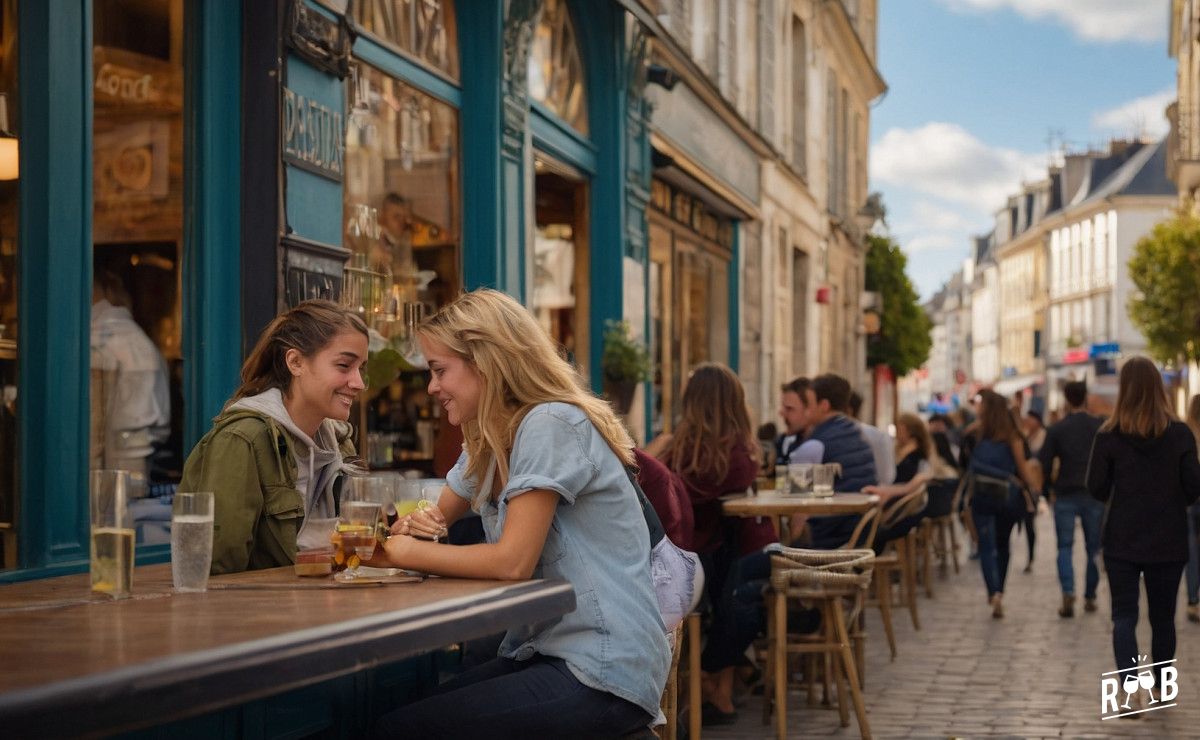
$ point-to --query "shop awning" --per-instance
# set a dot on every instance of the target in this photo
(1009, 386)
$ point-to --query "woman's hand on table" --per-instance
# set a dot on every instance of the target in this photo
(428, 523)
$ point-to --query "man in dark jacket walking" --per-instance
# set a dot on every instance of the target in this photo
(1070, 443)
(838, 440)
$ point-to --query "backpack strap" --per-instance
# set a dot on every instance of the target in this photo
(653, 523)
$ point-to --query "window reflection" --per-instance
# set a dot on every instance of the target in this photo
(137, 233)
(401, 225)
(424, 28)
(8, 289)
(556, 68)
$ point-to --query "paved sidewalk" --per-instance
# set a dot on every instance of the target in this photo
(964, 674)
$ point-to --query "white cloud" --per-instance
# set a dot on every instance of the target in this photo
(1144, 115)
(1092, 20)
(945, 161)
(930, 227)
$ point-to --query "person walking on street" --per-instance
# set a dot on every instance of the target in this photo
(1193, 518)
(1144, 468)
(997, 501)
(1069, 442)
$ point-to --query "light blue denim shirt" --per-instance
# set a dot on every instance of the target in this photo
(614, 641)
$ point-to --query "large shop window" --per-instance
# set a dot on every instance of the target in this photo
(137, 233)
(690, 255)
(401, 217)
(9, 129)
(424, 29)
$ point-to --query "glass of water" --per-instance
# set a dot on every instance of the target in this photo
(191, 540)
(112, 533)
(823, 478)
(800, 475)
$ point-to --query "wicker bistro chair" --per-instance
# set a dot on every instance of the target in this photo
(670, 696)
(899, 556)
(835, 581)
(938, 535)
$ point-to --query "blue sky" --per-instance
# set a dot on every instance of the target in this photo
(976, 88)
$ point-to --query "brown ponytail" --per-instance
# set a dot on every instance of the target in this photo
(307, 328)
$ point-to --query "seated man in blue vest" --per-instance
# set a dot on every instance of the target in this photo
(794, 412)
(836, 438)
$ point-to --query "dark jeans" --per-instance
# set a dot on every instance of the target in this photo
(743, 615)
(1090, 512)
(505, 698)
(1193, 565)
(831, 532)
(740, 614)
(1162, 589)
(1030, 532)
(994, 522)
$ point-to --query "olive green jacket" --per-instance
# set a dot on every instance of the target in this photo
(246, 461)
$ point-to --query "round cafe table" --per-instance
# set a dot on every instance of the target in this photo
(774, 505)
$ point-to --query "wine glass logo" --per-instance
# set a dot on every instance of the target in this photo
(1146, 681)
(1130, 686)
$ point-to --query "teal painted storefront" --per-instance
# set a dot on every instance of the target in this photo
(224, 301)
(55, 269)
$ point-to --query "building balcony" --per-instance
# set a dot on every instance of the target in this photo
(1183, 144)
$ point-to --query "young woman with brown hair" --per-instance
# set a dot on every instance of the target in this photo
(1144, 467)
(714, 452)
(297, 388)
(997, 501)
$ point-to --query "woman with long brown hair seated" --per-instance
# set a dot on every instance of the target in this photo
(714, 452)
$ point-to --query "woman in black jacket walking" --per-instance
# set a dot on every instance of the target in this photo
(1144, 467)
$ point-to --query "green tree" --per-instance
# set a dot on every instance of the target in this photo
(903, 341)
(1165, 268)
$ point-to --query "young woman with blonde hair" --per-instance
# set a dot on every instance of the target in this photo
(917, 460)
(545, 463)
(1144, 467)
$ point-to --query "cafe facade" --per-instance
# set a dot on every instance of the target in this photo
(226, 160)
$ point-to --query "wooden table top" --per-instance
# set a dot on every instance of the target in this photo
(78, 663)
(773, 504)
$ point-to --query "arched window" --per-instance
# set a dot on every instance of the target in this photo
(425, 29)
(556, 68)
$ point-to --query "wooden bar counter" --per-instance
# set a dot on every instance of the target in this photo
(81, 664)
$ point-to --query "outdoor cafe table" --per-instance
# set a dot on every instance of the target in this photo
(81, 664)
(775, 505)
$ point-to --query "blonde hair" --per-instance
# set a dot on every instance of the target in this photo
(1143, 409)
(714, 420)
(519, 367)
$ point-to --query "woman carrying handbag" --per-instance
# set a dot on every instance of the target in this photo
(996, 469)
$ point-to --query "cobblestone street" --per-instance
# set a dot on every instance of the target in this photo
(965, 674)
